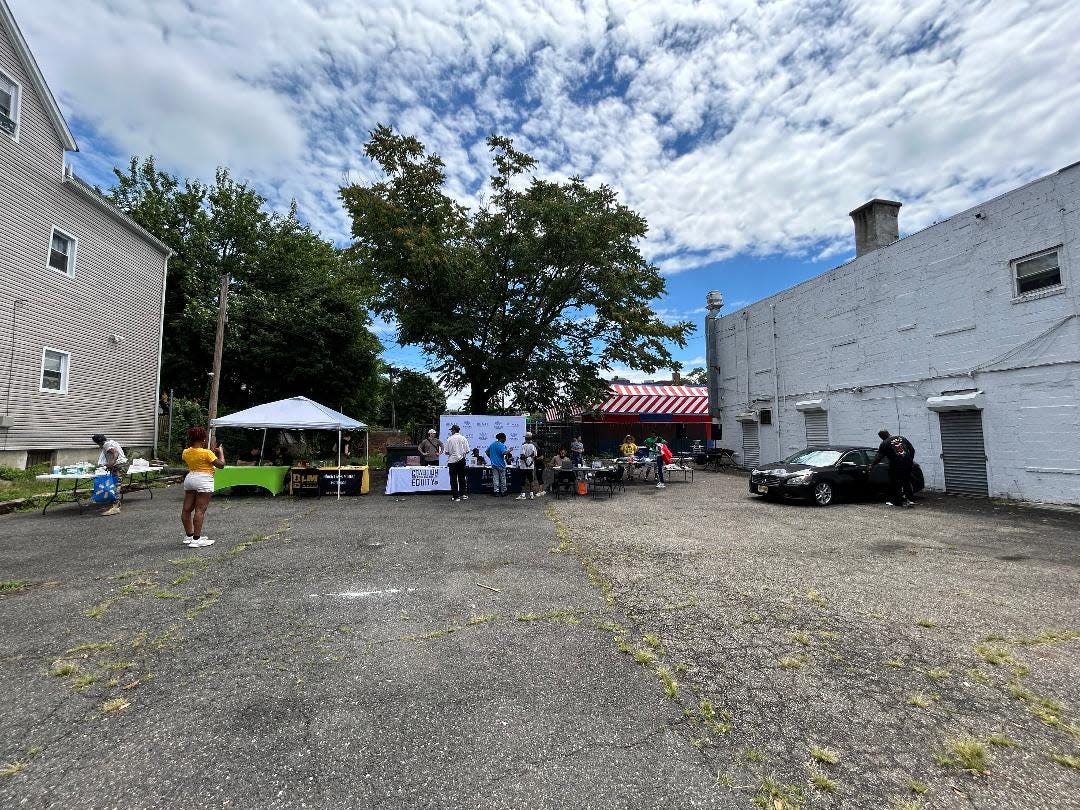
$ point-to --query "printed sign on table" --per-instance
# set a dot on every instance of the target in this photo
(480, 430)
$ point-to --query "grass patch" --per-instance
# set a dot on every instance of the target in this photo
(979, 676)
(671, 686)
(820, 779)
(611, 627)
(62, 669)
(184, 577)
(816, 597)
(1068, 760)
(652, 640)
(166, 595)
(98, 610)
(1047, 637)
(915, 786)
(773, 795)
(753, 755)
(725, 779)
(927, 623)
(923, 701)
(114, 705)
(1002, 740)
(965, 753)
(824, 755)
(645, 656)
(938, 674)
(895, 663)
(802, 638)
(794, 661)
(484, 619)
(11, 768)
(207, 600)
(84, 681)
(14, 585)
(1045, 709)
(99, 646)
(908, 804)
(24, 484)
(996, 656)
(434, 634)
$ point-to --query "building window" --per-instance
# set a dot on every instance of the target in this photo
(765, 416)
(54, 370)
(9, 106)
(62, 252)
(1037, 272)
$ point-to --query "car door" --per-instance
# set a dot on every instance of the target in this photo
(853, 472)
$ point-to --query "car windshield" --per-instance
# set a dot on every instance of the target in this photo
(814, 458)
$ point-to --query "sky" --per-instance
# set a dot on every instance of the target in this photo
(743, 131)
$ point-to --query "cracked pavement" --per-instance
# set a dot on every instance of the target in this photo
(345, 654)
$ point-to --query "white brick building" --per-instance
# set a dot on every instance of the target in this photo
(973, 323)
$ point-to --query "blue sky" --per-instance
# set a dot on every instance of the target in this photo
(743, 131)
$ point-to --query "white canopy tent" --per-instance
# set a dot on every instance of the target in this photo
(295, 413)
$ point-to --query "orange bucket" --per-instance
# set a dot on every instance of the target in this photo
(581, 488)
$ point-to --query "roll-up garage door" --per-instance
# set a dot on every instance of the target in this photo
(751, 450)
(963, 453)
(817, 428)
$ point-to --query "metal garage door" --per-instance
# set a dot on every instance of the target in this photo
(817, 428)
(751, 450)
(963, 453)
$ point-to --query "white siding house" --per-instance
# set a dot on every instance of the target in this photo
(964, 337)
(81, 288)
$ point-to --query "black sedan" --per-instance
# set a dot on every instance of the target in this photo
(824, 474)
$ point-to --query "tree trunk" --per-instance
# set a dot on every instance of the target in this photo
(479, 398)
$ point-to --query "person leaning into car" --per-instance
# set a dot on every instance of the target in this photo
(901, 455)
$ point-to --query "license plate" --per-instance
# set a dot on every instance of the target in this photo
(764, 490)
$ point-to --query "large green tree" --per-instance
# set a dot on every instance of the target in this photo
(297, 319)
(537, 293)
(410, 400)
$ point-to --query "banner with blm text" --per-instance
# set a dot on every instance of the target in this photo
(480, 430)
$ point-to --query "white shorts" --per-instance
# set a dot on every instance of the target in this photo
(199, 482)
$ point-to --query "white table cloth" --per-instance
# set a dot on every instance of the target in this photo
(417, 479)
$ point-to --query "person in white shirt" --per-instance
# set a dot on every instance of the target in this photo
(527, 464)
(112, 458)
(457, 449)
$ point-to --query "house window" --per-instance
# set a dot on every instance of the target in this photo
(62, 252)
(1037, 272)
(765, 416)
(54, 370)
(9, 106)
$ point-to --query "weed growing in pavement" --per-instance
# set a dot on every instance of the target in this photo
(1046, 637)
(995, 655)
(773, 795)
(1067, 760)
(114, 705)
(671, 686)
(83, 681)
(908, 804)
(609, 626)
(725, 779)
(828, 634)
(644, 656)
(794, 661)
(965, 753)
(979, 676)
(653, 640)
(98, 610)
(62, 669)
(207, 600)
(166, 595)
(184, 577)
(753, 755)
(927, 623)
(816, 597)
(1002, 740)
(824, 755)
(434, 634)
(12, 768)
(682, 667)
(484, 619)
(14, 585)
(921, 700)
(937, 674)
(918, 787)
(801, 637)
(895, 663)
(100, 646)
(820, 779)
(1045, 709)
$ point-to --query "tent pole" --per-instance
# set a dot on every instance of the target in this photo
(339, 464)
(262, 449)
(367, 449)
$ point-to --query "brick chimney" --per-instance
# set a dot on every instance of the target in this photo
(876, 225)
(676, 378)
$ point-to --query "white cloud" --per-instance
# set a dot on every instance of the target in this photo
(735, 127)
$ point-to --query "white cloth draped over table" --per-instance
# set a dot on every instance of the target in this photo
(417, 479)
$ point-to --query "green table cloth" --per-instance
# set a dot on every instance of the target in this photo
(272, 479)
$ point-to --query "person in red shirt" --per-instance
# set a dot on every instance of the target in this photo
(663, 456)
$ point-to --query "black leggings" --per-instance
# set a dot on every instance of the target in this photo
(459, 480)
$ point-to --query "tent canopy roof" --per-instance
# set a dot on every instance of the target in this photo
(297, 413)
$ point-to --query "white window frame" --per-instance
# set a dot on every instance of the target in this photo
(74, 240)
(16, 105)
(1041, 291)
(65, 378)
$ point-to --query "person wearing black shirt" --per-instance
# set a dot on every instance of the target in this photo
(901, 455)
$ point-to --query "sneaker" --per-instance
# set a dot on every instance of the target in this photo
(541, 492)
(464, 497)
(521, 497)
(909, 503)
(112, 510)
(188, 540)
(202, 542)
(455, 499)
(661, 485)
(531, 496)
(889, 503)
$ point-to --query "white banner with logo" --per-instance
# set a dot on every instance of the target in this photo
(417, 479)
(480, 430)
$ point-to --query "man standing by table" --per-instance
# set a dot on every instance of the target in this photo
(496, 453)
(457, 449)
(431, 448)
(527, 463)
(577, 452)
(112, 458)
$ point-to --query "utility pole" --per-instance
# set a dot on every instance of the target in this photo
(219, 342)
(393, 409)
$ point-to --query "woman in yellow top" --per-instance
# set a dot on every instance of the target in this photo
(628, 447)
(198, 485)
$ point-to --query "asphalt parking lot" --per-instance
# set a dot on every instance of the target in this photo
(686, 648)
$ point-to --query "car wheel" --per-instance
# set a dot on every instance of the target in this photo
(823, 493)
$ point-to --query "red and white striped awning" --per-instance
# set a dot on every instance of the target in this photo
(670, 400)
(674, 400)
